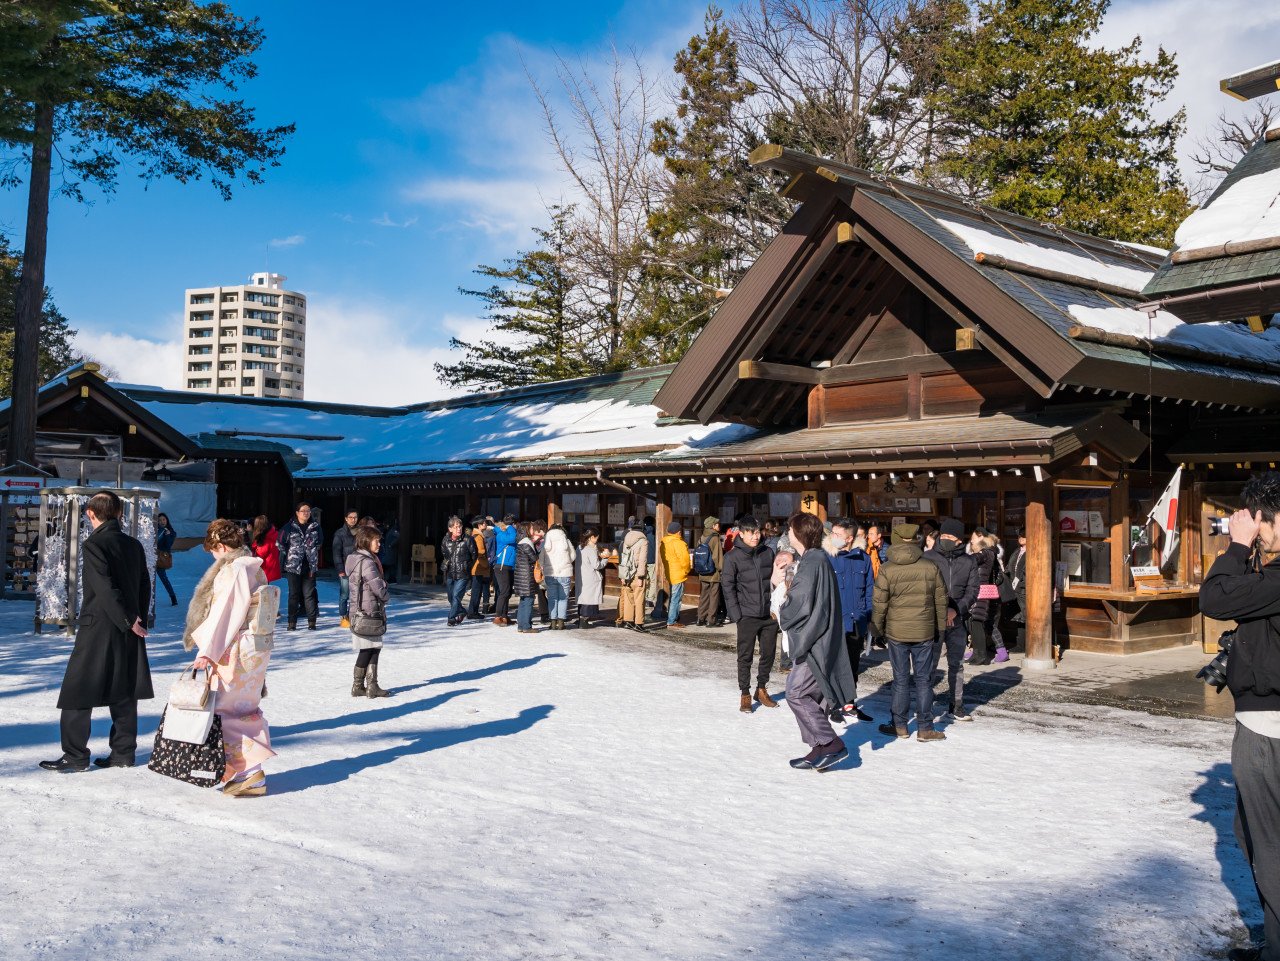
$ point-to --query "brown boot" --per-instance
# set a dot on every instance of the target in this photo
(744, 703)
(374, 690)
(357, 685)
(763, 697)
(929, 734)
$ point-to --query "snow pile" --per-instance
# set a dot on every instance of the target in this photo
(987, 240)
(1218, 337)
(506, 804)
(1247, 210)
(510, 430)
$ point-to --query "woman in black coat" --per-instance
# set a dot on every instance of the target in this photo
(985, 612)
(524, 578)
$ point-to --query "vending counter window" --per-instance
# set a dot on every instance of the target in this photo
(1100, 535)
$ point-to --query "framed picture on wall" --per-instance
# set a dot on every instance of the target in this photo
(685, 504)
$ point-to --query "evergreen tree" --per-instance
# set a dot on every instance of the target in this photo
(1041, 121)
(102, 81)
(717, 213)
(540, 322)
(56, 352)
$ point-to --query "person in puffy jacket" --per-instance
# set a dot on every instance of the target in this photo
(677, 563)
(852, 565)
(300, 549)
(909, 611)
(481, 570)
(744, 580)
(959, 572)
(984, 613)
(556, 558)
(631, 596)
(457, 557)
(264, 543)
(525, 579)
(502, 563)
(342, 546)
(369, 594)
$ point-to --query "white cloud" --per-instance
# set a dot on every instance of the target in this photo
(386, 221)
(1210, 42)
(137, 359)
(366, 353)
(293, 240)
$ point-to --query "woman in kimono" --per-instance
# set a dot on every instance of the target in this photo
(234, 638)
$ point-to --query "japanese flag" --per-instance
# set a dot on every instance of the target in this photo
(1165, 513)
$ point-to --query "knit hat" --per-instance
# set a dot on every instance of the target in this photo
(675, 527)
(905, 533)
(710, 522)
(953, 528)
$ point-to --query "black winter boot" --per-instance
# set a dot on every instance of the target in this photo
(374, 690)
(357, 682)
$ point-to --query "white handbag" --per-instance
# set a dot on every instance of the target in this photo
(190, 692)
(190, 726)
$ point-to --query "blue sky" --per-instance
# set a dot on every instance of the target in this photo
(419, 154)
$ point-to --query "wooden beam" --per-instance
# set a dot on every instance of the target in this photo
(915, 364)
(786, 373)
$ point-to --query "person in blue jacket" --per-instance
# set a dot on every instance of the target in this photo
(502, 564)
(857, 586)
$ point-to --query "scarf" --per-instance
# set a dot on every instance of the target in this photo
(202, 599)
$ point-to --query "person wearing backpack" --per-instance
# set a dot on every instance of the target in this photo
(633, 569)
(985, 612)
(708, 562)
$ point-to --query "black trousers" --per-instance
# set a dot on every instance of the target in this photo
(750, 630)
(1255, 765)
(123, 738)
(302, 596)
(502, 591)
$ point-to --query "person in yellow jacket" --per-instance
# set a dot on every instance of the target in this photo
(678, 563)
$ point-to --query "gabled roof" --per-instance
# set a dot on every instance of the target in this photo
(1226, 260)
(1054, 306)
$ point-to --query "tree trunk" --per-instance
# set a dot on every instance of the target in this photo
(30, 298)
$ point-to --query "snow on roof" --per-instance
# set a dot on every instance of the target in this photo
(1246, 210)
(1219, 337)
(988, 240)
(427, 439)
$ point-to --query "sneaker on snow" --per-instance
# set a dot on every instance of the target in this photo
(833, 753)
(959, 714)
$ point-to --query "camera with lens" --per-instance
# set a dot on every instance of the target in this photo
(1215, 672)
(1220, 525)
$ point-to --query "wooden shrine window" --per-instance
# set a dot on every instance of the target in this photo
(1084, 528)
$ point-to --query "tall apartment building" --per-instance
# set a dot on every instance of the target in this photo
(248, 340)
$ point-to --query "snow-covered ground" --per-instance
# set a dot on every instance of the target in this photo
(594, 796)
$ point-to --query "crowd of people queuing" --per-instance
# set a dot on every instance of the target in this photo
(822, 595)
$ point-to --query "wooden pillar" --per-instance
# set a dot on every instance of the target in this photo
(1120, 535)
(404, 547)
(555, 513)
(661, 518)
(1039, 578)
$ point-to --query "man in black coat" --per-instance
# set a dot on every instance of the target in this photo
(108, 665)
(960, 574)
(744, 581)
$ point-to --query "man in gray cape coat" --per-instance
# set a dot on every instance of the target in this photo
(821, 681)
(108, 665)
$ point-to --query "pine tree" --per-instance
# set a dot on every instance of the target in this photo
(56, 352)
(1043, 122)
(540, 323)
(717, 213)
(107, 82)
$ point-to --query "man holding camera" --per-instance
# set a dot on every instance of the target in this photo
(1240, 588)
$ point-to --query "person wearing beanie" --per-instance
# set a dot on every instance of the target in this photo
(708, 562)
(677, 562)
(959, 572)
(745, 583)
(909, 610)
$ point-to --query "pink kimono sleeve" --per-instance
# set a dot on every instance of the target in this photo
(217, 633)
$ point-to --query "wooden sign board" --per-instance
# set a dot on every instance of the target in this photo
(809, 502)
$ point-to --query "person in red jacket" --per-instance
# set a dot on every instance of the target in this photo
(263, 543)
